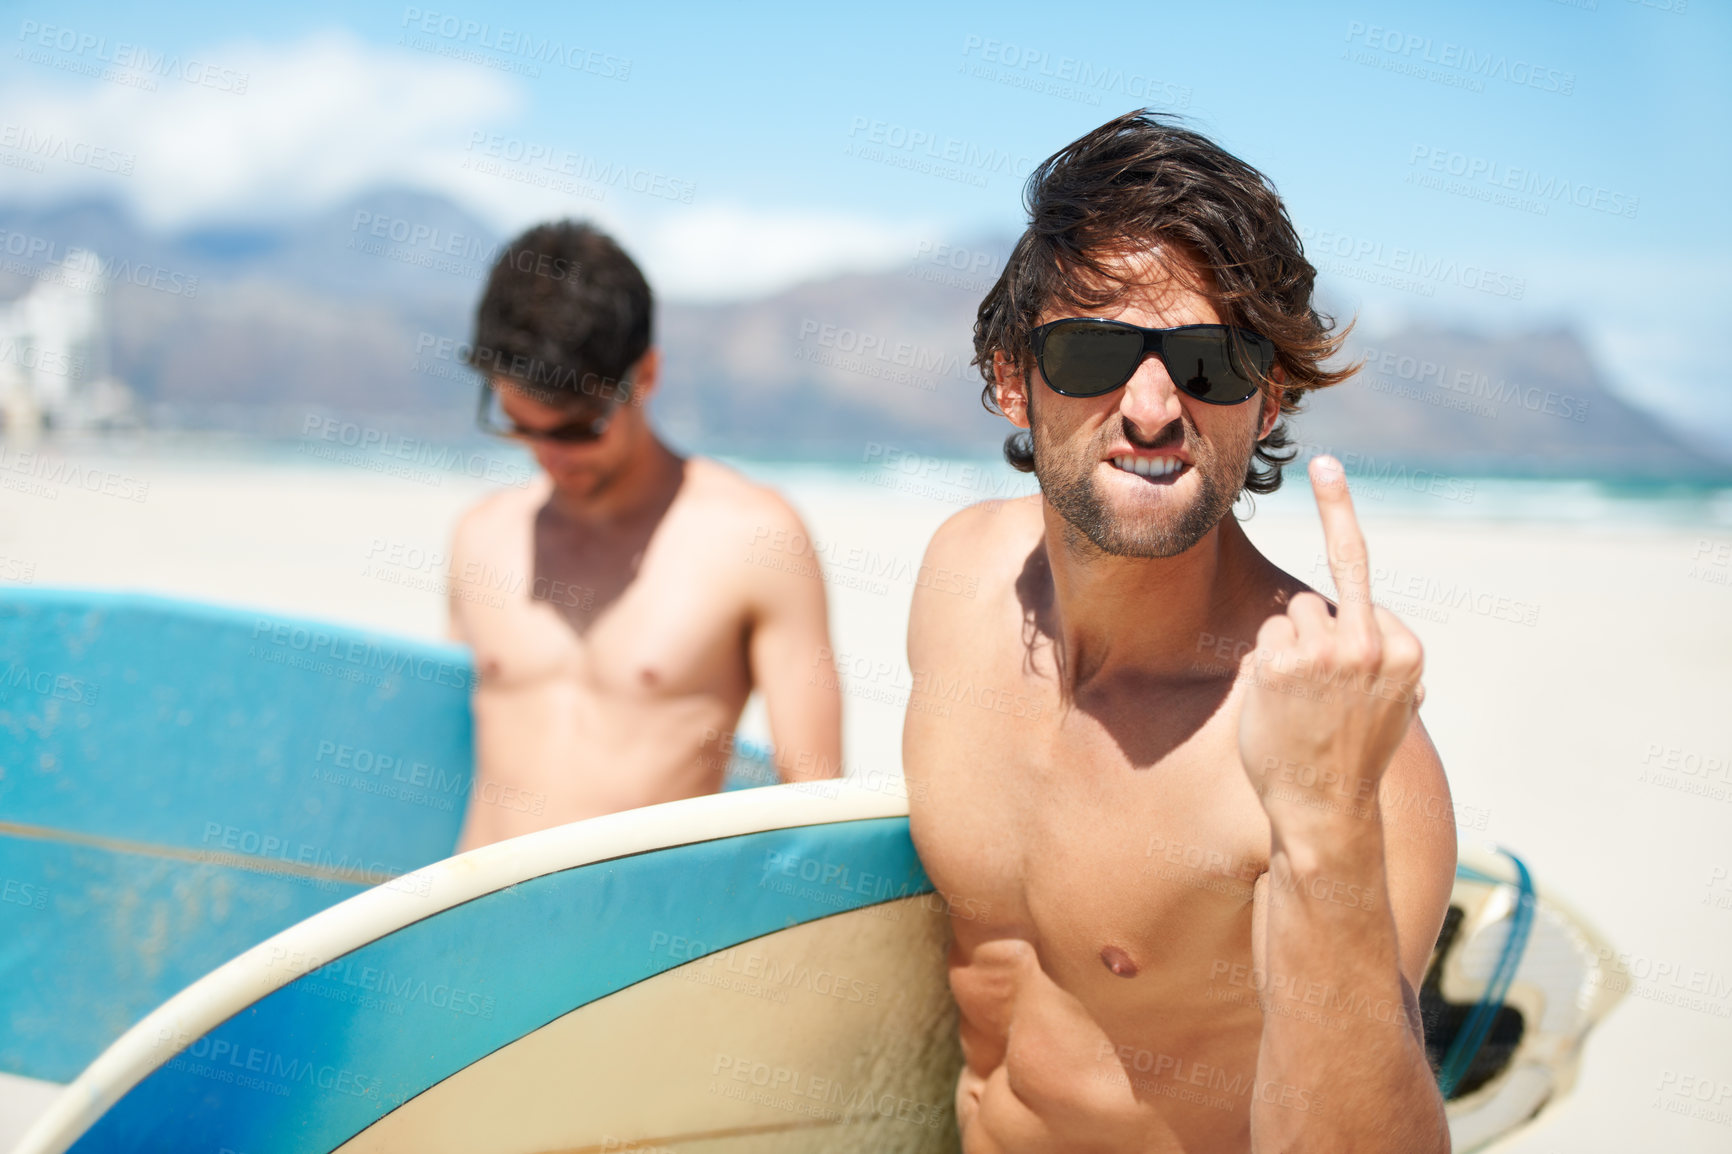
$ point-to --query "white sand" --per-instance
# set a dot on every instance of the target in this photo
(1544, 727)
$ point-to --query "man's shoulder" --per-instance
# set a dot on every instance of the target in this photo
(504, 509)
(981, 552)
(992, 531)
(725, 496)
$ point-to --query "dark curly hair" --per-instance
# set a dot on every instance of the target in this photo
(1138, 183)
(565, 316)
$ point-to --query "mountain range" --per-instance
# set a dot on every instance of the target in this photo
(357, 312)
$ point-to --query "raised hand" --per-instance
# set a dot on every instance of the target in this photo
(1329, 696)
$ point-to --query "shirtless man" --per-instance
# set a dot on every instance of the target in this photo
(623, 606)
(1187, 914)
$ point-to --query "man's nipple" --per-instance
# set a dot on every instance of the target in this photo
(1118, 962)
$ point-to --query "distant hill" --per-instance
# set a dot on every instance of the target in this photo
(343, 312)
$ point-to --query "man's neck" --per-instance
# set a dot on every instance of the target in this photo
(643, 488)
(1155, 616)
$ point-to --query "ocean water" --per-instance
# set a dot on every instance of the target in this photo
(1414, 493)
(954, 482)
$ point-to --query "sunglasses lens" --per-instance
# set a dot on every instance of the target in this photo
(1086, 360)
(589, 423)
(1214, 366)
(580, 432)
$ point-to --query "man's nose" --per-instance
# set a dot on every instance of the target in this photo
(1150, 400)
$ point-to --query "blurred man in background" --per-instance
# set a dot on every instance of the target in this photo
(618, 608)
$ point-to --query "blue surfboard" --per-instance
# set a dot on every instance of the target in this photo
(177, 783)
(757, 970)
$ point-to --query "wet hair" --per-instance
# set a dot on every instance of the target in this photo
(1141, 184)
(566, 314)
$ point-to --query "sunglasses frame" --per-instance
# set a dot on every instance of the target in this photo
(1154, 341)
(574, 432)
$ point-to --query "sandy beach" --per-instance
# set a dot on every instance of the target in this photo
(1577, 678)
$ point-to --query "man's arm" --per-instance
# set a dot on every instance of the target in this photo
(1351, 905)
(791, 660)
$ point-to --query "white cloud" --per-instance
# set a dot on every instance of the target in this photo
(331, 117)
(721, 252)
(318, 121)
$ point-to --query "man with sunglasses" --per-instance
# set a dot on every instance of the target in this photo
(616, 615)
(1184, 917)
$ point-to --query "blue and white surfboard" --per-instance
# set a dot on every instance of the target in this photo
(758, 970)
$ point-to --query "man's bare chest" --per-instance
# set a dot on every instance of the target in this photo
(653, 637)
(1111, 865)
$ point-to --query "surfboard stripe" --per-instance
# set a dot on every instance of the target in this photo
(1473, 1032)
(353, 1037)
(239, 861)
(718, 1135)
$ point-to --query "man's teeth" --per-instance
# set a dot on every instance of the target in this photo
(1149, 466)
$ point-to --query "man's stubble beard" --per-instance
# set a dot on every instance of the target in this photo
(1068, 482)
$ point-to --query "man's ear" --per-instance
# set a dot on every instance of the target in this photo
(1010, 390)
(1271, 403)
(644, 375)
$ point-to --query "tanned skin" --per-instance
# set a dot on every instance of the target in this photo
(1188, 913)
(619, 624)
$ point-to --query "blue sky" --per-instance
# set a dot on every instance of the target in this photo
(1517, 163)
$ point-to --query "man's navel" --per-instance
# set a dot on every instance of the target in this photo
(1118, 961)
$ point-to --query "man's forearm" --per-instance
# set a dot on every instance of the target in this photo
(1342, 1065)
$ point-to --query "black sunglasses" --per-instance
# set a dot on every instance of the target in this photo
(1088, 357)
(491, 418)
